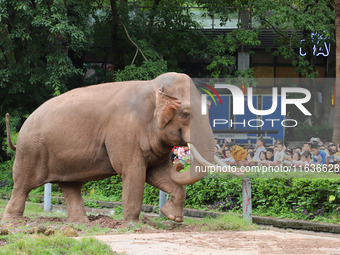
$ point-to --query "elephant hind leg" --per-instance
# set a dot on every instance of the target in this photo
(160, 178)
(75, 203)
(16, 205)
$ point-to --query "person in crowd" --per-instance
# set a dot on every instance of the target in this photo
(306, 158)
(262, 159)
(218, 152)
(277, 142)
(225, 146)
(334, 157)
(229, 158)
(250, 159)
(250, 149)
(328, 153)
(319, 156)
(270, 158)
(174, 155)
(217, 144)
(260, 143)
(298, 150)
(270, 155)
(287, 160)
(279, 154)
(306, 147)
(237, 151)
(316, 140)
(332, 148)
(184, 154)
(296, 160)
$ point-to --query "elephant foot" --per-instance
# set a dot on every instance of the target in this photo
(78, 219)
(11, 217)
(171, 212)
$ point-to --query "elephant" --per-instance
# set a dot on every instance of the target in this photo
(126, 128)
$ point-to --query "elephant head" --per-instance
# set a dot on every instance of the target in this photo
(178, 116)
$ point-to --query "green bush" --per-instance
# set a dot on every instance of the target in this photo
(6, 180)
(304, 132)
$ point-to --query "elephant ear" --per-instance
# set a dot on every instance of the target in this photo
(166, 107)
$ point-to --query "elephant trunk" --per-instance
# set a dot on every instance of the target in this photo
(200, 139)
(198, 168)
(202, 148)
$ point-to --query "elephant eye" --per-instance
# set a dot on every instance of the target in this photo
(186, 114)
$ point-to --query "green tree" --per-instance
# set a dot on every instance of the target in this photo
(41, 48)
(40, 42)
(301, 24)
(298, 24)
(155, 31)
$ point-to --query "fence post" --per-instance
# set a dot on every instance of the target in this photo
(163, 198)
(246, 200)
(47, 197)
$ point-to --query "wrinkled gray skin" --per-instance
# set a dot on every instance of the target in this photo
(125, 128)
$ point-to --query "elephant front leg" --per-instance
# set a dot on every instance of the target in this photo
(133, 191)
(160, 178)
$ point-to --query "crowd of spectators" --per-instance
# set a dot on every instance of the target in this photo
(180, 155)
(312, 152)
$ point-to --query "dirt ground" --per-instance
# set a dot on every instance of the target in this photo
(223, 242)
(187, 239)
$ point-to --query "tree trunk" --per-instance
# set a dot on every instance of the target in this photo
(114, 32)
(336, 131)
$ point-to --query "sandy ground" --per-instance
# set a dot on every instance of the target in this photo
(188, 239)
(224, 242)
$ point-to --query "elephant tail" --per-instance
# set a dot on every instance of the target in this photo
(10, 143)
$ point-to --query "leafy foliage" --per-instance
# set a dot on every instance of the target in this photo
(40, 41)
(298, 24)
(304, 132)
(223, 51)
(147, 71)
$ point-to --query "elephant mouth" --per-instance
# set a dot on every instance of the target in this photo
(200, 159)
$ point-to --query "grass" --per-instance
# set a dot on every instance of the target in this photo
(33, 210)
(20, 243)
(57, 244)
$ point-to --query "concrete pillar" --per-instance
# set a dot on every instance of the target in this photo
(243, 60)
(246, 200)
(47, 197)
(163, 198)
